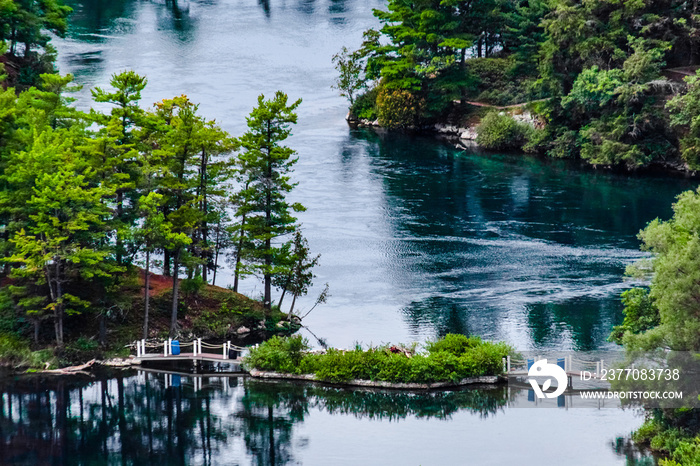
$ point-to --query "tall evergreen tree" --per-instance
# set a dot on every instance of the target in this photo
(63, 239)
(268, 164)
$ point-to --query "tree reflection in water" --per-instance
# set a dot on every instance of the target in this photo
(131, 417)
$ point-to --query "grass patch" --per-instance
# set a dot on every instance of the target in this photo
(450, 359)
(16, 353)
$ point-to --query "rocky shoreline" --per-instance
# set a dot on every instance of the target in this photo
(464, 138)
(488, 379)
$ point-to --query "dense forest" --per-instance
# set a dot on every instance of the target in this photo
(610, 82)
(92, 203)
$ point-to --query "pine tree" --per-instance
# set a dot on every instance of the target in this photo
(63, 238)
(114, 152)
(269, 216)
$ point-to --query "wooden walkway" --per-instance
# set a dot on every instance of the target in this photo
(211, 357)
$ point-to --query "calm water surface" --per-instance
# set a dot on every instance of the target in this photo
(417, 239)
(135, 419)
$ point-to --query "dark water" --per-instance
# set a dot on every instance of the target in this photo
(135, 419)
(417, 239)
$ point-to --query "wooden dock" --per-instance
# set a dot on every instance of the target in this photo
(210, 357)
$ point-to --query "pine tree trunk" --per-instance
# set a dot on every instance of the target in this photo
(103, 330)
(146, 297)
(217, 248)
(120, 241)
(166, 263)
(58, 308)
(176, 285)
(284, 291)
(237, 269)
(294, 300)
(267, 301)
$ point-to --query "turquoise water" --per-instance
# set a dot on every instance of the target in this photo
(132, 418)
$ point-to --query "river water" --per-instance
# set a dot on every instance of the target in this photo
(417, 238)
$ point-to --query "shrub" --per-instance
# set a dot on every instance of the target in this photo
(456, 344)
(537, 141)
(281, 354)
(192, 286)
(365, 106)
(500, 131)
(16, 352)
(397, 109)
(566, 145)
(451, 359)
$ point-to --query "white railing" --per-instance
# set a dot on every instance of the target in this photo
(198, 347)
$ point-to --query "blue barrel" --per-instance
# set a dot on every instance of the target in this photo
(175, 347)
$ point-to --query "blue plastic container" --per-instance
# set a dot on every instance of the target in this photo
(175, 347)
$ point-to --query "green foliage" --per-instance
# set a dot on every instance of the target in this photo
(192, 286)
(365, 106)
(675, 286)
(453, 343)
(684, 110)
(264, 173)
(640, 315)
(565, 145)
(397, 109)
(15, 352)
(500, 131)
(496, 81)
(452, 359)
(351, 79)
(283, 354)
(599, 63)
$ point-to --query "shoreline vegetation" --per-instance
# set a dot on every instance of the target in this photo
(452, 361)
(611, 84)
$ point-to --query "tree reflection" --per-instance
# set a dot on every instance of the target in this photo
(132, 419)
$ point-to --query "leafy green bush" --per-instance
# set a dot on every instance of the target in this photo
(454, 343)
(497, 82)
(397, 109)
(192, 286)
(80, 350)
(16, 352)
(365, 105)
(500, 131)
(640, 314)
(566, 145)
(686, 453)
(217, 322)
(451, 359)
(281, 354)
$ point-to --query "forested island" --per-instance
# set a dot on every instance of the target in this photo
(92, 202)
(611, 83)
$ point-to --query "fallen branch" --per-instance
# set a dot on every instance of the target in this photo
(71, 369)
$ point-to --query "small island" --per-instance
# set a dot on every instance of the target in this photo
(452, 361)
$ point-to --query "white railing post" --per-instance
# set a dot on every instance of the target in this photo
(170, 346)
(225, 356)
(228, 349)
(143, 347)
(194, 348)
(199, 344)
(508, 362)
(165, 348)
